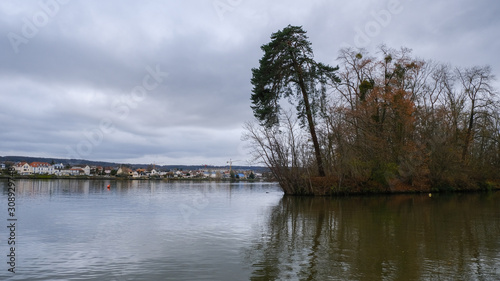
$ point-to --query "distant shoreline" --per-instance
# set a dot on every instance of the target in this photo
(332, 193)
(53, 177)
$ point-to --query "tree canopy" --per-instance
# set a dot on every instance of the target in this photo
(288, 70)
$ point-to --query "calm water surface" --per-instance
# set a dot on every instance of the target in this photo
(153, 230)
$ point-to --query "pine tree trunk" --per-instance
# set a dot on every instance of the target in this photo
(310, 121)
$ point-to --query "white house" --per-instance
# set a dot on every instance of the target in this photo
(23, 168)
(77, 171)
(42, 168)
(84, 168)
(63, 172)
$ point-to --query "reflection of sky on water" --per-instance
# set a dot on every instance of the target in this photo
(81, 227)
(153, 230)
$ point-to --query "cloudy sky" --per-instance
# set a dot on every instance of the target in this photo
(168, 82)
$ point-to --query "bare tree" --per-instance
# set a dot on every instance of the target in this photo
(284, 149)
(476, 87)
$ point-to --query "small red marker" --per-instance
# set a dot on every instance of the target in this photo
(109, 186)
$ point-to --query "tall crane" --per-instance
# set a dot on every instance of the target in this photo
(231, 164)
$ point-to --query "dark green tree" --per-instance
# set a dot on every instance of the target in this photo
(288, 70)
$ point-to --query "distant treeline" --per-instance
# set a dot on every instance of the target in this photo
(390, 122)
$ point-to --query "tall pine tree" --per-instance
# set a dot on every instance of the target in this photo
(288, 70)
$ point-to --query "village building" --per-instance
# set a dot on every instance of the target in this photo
(42, 168)
(23, 168)
(124, 171)
(81, 170)
(59, 166)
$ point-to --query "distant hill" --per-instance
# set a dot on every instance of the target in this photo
(113, 164)
(56, 161)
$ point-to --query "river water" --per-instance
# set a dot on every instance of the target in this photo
(155, 230)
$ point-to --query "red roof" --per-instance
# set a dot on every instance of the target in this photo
(39, 164)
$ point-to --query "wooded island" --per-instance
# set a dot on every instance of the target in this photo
(384, 122)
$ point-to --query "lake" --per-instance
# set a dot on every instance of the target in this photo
(156, 230)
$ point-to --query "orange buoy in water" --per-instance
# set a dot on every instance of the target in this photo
(109, 186)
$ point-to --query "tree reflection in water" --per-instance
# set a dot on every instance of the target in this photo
(399, 237)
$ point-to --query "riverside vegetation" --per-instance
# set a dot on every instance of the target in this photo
(388, 122)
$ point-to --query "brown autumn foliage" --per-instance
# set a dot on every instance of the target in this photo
(395, 123)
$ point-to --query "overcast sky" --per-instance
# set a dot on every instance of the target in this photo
(168, 82)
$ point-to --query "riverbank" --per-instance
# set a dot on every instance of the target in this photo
(325, 186)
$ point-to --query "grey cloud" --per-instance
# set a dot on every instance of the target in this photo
(70, 76)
